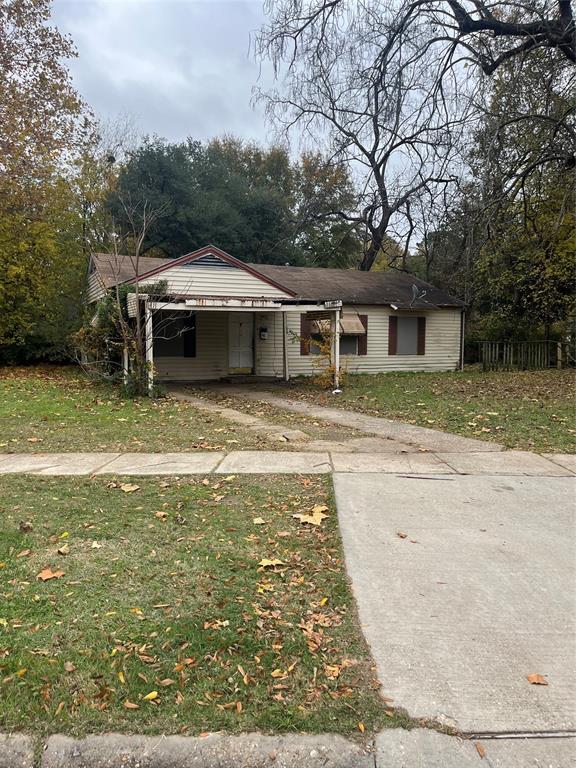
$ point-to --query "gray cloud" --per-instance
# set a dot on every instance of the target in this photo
(179, 67)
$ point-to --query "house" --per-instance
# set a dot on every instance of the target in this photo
(220, 317)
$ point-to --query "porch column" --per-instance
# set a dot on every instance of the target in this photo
(336, 347)
(285, 345)
(149, 345)
(125, 366)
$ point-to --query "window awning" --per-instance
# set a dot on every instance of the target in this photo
(350, 325)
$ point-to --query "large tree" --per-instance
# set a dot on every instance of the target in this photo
(42, 124)
(256, 203)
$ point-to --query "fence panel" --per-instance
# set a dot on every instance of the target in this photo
(523, 355)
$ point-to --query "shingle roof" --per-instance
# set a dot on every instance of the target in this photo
(355, 287)
(118, 268)
(307, 283)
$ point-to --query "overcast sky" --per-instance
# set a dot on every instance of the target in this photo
(179, 67)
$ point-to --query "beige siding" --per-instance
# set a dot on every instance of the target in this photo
(442, 346)
(95, 287)
(216, 281)
(211, 361)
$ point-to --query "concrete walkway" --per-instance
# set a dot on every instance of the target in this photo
(289, 462)
(464, 588)
(420, 437)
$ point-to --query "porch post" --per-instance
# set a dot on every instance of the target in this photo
(285, 346)
(149, 345)
(125, 365)
(336, 347)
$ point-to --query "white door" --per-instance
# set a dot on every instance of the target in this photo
(240, 342)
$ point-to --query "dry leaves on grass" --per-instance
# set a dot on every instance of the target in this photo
(47, 573)
(316, 517)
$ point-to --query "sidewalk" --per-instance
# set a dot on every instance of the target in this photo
(293, 462)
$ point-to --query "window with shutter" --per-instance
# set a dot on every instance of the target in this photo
(406, 335)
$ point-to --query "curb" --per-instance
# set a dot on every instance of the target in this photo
(395, 748)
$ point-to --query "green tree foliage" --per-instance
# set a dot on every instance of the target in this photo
(42, 124)
(255, 203)
(507, 244)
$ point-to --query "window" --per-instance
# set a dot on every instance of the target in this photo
(348, 345)
(406, 335)
(174, 336)
(353, 334)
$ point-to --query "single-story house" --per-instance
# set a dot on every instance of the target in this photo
(220, 317)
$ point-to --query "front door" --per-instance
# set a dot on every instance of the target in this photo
(240, 342)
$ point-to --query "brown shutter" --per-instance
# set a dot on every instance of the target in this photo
(392, 334)
(363, 339)
(421, 349)
(305, 325)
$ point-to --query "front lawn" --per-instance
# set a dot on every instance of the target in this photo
(178, 606)
(49, 408)
(529, 410)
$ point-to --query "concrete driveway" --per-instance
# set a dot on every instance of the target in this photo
(466, 585)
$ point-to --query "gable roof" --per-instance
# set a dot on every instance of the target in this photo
(303, 283)
(354, 287)
(115, 268)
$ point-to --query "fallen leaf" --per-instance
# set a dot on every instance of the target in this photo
(24, 553)
(130, 705)
(129, 487)
(47, 574)
(480, 749)
(167, 681)
(314, 519)
(361, 727)
(121, 677)
(151, 696)
(22, 672)
(401, 535)
(259, 521)
(96, 545)
(25, 526)
(536, 679)
(69, 667)
(64, 549)
(266, 563)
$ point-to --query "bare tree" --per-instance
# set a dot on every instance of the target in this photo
(486, 33)
(366, 91)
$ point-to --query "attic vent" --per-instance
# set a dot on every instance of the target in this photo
(210, 261)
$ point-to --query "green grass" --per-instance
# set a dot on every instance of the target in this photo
(163, 591)
(49, 408)
(529, 410)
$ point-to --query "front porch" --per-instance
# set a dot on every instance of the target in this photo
(212, 339)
